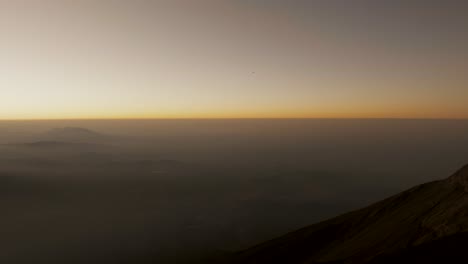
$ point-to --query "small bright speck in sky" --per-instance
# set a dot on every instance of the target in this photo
(233, 59)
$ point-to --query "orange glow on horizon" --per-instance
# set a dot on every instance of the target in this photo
(213, 59)
(253, 115)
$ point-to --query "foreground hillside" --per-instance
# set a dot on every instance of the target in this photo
(411, 225)
(450, 249)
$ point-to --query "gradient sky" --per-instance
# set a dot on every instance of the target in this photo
(239, 58)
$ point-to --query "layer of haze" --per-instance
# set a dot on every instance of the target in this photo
(259, 58)
(181, 191)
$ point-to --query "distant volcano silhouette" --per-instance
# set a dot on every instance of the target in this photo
(74, 134)
(428, 214)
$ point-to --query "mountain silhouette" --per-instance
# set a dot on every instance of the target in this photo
(48, 145)
(73, 134)
(450, 249)
(408, 225)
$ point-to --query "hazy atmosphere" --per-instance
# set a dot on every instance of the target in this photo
(233, 132)
(176, 191)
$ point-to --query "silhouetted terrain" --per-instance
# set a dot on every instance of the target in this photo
(419, 223)
(188, 191)
(75, 134)
(450, 249)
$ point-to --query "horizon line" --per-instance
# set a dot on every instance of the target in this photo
(232, 118)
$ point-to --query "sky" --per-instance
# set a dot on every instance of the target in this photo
(65, 59)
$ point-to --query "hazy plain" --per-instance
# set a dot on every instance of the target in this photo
(174, 191)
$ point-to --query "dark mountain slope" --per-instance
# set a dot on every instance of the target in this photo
(422, 214)
(450, 249)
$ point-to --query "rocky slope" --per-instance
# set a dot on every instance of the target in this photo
(411, 219)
